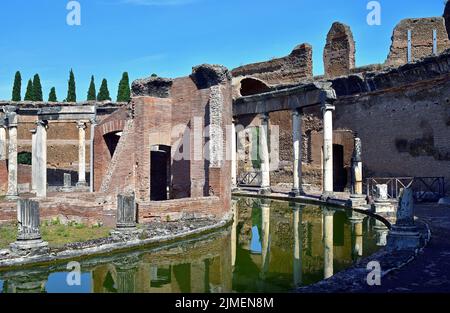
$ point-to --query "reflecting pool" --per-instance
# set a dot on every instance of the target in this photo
(272, 246)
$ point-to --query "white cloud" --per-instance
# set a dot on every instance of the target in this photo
(159, 2)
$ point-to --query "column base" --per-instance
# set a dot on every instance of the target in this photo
(403, 238)
(296, 193)
(29, 247)
(81, 184)
(356, 200)
(326, 195)
(384, 207)
(264, 191)
(126, 234)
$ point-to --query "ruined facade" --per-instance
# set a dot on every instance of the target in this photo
(164, 152)
(339, 52)
(421, 36)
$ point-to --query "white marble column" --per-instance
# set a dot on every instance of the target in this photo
(233, 155)
(356, 219)
(264, 153)
(265, 240)
(81, 154)
(328, 242)
(33, 160)
(41, 159)
(327, 111)
(297, 188)
(298, 244)
(91, 156)
(234, 232)
(3, 150)
(12, 192)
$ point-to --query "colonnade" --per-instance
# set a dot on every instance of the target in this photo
(297, 143)
(39, 153)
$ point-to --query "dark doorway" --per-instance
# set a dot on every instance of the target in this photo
(159, 172)
(111, 140)
(339, 172)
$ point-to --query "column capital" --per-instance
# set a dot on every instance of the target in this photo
(297, 111)
(264, 117)
(327, 107)
(327, 211)
(81, 125)
(94, 122)
(42, 123)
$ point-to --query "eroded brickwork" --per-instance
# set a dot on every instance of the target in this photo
(421, 39)
(339, 52)
(295, 67)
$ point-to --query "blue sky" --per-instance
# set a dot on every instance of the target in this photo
(168, 37)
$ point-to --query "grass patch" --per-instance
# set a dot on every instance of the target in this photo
(56, 233)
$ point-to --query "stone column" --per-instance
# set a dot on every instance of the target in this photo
(29, 241)
(12, 192)
(126, 269)
(264, 153)
(3, 143)
(41, 159)
(234, 232)
(327, 110)
(381, 232)
(81, 154)
(265, 240)
(67, 182)
(297, 188)
(126, 219)
(357, 198)
(91, 156)
(356, 219)
(233, 156)
(298, 244)
(382, 204)
(328, 242)
(404, 234)
(33, 160)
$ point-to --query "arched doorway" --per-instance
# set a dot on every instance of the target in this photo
(160, 173)
(252, 86)
(339, 171)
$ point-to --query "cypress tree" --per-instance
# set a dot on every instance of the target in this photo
(16, 93)
(52, 95)
(29, 93)
(124, 93)
(37, 89)
(71, 91)
(103, 93)
(91, 92)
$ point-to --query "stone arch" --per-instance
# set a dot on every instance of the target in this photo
(251, 86)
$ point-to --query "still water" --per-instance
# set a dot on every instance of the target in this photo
(271, 247)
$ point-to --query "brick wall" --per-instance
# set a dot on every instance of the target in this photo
(295, 67)
(339, 51)
(421, 39)
(404, 131)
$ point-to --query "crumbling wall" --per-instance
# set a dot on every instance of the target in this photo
(339, 51)
(295, 67)
(421, 39)
(405, 131)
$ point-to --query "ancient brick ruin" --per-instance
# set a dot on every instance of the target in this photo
(339, 52)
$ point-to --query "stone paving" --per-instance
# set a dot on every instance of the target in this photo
(430, 271)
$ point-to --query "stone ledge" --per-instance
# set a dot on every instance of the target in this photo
(107, 246)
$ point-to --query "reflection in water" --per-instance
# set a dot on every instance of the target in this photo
(328, 246)
(270, 247)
